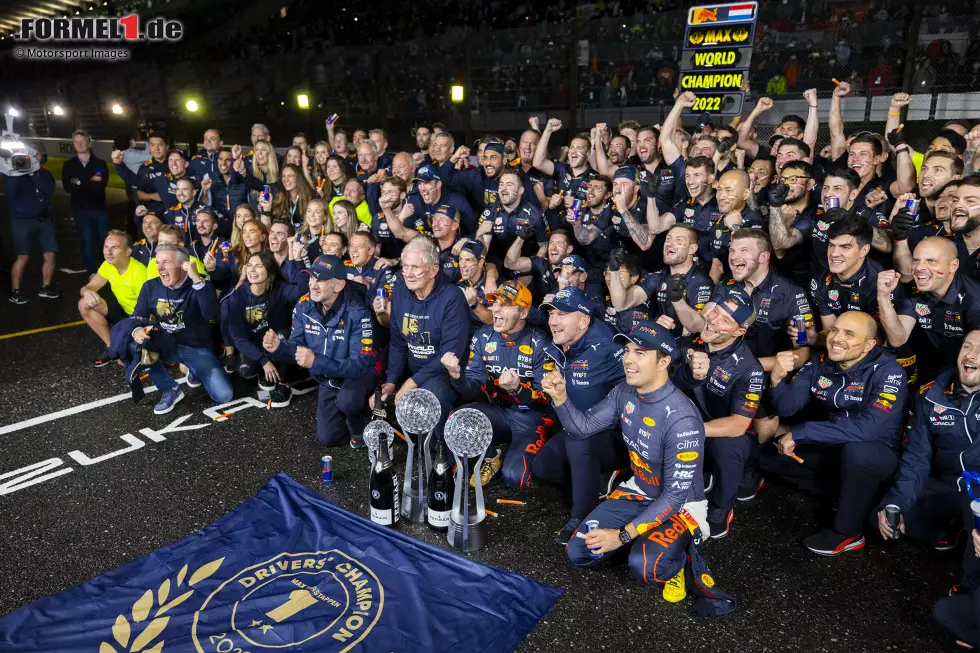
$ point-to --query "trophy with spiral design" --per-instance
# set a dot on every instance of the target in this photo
(468, 433)
(417, 412)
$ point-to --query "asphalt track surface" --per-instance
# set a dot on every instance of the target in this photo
(67, 530)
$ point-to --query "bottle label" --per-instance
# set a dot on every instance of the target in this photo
(439, 519)
(397, 497)
(383, 517)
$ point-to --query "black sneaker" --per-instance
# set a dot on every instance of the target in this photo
(357, 441)
(47, 292)
(829, 542)
(947, 541)
(567, 531)
(104, 358)
(719, 522)
(16, 297)
(230, 365)
(750, 485)
(280, 396)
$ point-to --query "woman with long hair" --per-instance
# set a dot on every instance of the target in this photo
(345, 218)
(295, 156)
(316, 223)
(294, 193)
(243, 213)
(264, 171)
(337, 172)
(253, 238)
(265, 301)
(321, 153)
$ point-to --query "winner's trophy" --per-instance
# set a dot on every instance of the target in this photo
(468, 434)
(373, 432)
(417, 412)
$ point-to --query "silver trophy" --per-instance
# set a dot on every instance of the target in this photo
(468, 434)
(373, 432)
(417, 412)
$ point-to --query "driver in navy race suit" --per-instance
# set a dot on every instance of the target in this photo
(661, 512)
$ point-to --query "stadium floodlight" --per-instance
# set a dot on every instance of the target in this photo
(456, 94)
(303, 101)
(192, 106)
(57, 110)
(117, 109)
(14, 113)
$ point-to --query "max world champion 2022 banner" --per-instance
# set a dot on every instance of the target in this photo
(287, 571)
(717, 54)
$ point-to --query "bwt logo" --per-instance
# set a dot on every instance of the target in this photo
(126, 28)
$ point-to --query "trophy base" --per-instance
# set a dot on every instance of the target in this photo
(411, 510)
(476, 537)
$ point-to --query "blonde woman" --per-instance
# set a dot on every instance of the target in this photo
(264, 171)
(316, 223)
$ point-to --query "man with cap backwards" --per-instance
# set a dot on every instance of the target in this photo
(333, 337)
(661, 511)
(726, 384)
(433, 194)
(583, 352)
(681, 282)
(475, 276)
(503, 378)
(860, 388)
(512, 216)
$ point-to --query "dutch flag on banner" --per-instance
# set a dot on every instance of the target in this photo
(741, 12)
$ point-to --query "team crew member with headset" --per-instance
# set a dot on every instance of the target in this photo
(333, 337)
(860, 388)
(726, 384)
(661, 511)
(503, 379)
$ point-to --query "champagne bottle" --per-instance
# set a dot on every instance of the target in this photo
(384, 489)
(442, 485)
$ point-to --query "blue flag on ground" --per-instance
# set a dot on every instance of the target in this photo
(289, 571)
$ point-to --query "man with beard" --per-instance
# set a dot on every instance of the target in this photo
(732, 196)
(228, 190)
(510, 216)
(725, 381)
(629, 213)
(619, 149)
(791, 218)
(478, 185)
(946, 303)
(503, 380)
(859, 388)
(937, 450)
(423, 136)
(965, 224)
(593, 227)
(699, 211)
(430, 183)
(183, 214)
(572, 178)
(938, 169)
(761, 171)
(397, 222)
(680, 282)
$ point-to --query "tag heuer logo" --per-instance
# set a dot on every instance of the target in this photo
(939, 409)
(824, 382)
(922, 309)
(833, 295)
(630, 407)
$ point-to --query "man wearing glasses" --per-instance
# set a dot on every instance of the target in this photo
(792, 213)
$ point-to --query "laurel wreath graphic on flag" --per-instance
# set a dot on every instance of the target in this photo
(123, 630)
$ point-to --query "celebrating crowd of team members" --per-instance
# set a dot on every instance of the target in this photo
(658, 321)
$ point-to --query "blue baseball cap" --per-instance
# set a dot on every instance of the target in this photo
(575, 261)
(571, 299)
(739, 305)
(494, 146)
(428, 173)
(650, 335)
(627, 172)
(326, 267)
(474, 247)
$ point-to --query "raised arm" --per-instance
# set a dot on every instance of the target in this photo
(812, 120)
(672, 123)
(541, 160)
(745, 128)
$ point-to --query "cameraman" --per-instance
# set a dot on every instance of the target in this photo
(29, 201)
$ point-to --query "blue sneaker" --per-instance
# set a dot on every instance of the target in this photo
(191, 380)
(168, 400)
